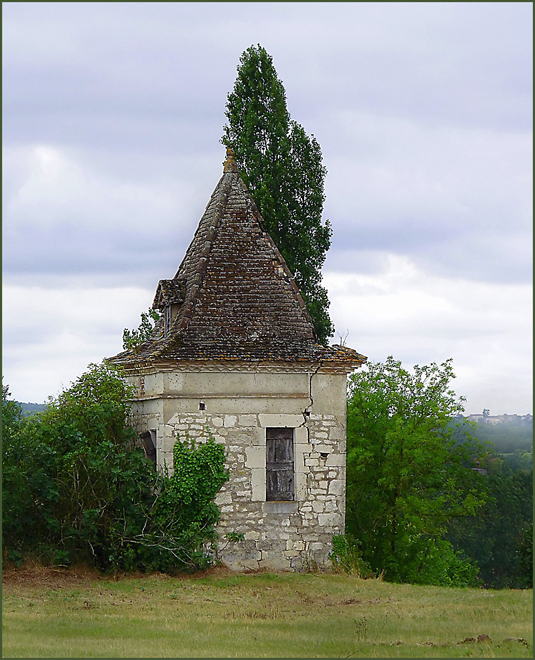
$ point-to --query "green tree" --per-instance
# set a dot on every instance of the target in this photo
(498, 537)
(132, 339)
(408, 474)
(28, 487)
(526, 551)
(282, 167)
(11, 415)
(77, 488)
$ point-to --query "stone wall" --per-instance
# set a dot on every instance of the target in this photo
(287, 535)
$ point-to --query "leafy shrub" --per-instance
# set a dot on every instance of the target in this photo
(28, 486)
(346, 557)
(435, 561)
(496, 537)
(76, 489)
(179, 526)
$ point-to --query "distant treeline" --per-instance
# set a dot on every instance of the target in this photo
(511, 439)
(30, 408)
(508, 435)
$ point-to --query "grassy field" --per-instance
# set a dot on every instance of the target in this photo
(73, 614)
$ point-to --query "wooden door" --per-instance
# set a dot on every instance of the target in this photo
(279, 464)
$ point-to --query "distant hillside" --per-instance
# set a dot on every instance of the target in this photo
(511, 436)
(498, 419)
(30, 408)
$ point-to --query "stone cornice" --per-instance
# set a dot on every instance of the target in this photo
(235, 366)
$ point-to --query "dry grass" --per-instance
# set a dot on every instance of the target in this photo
(221, 614)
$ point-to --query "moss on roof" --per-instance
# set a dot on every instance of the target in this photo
(234, 297)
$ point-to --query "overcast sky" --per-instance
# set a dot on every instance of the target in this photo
(112, 117)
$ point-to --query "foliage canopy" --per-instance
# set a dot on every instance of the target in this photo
(409, 473)
(500, 537)
(77, 488)
(282, 167)
(132, 339)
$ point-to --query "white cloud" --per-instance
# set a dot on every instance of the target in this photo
(79, 214)
(421, 318)
(51, 335)
(49, 184)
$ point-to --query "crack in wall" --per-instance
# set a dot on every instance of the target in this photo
(306, 411)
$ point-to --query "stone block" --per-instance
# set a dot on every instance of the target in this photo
(223, 498)
(230, 420)
(337, 437)
(330, 520)
(280, 508)
(258, 482)
(301, 436)
(252, 536)
(258, 436)
(301, 486)
(268, 420)
(336, 487)
(247, 420)
(335, 460)
(256, 457)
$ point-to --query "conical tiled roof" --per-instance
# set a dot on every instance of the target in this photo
(233, 296)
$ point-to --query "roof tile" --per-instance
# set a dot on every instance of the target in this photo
(233, 294)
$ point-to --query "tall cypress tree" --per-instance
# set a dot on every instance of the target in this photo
(282, 167)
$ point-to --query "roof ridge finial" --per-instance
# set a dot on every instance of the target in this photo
(230, 163)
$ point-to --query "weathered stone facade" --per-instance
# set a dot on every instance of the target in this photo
(237, 405)
(235, 357)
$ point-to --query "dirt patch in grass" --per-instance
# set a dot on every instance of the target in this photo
(36, 575)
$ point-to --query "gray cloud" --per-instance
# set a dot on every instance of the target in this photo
(112, 115)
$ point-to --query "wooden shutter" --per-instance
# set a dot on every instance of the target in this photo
(279, 464)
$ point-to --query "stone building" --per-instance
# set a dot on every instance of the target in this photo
(235, 355)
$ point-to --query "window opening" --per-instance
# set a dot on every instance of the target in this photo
(279, 464)
(149, 445)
